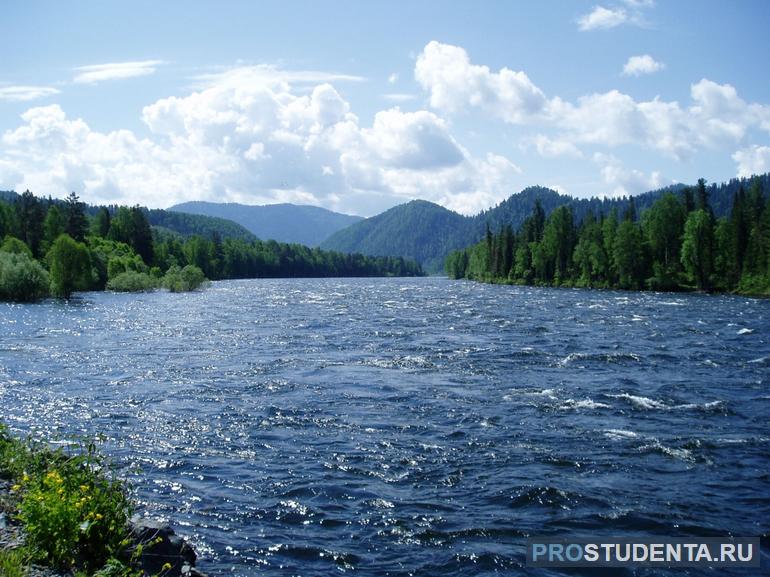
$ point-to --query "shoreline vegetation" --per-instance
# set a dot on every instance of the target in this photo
(54, 248)
(66, 512)
(676, 245)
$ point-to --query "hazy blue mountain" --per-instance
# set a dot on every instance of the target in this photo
(292, 223)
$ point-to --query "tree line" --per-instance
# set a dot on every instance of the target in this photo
(57, 247)
(677, 244)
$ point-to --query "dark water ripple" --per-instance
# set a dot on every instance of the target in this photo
(408, 426)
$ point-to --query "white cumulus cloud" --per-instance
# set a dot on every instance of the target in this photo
(94, 73)
(716, 116)
(752, 160)
(601, 17)
(624, 181)
(644, 64)
(251, 136)
(446, 72)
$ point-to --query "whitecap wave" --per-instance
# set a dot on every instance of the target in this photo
(620, 434)
(641, 402)
(573, 404)
(648, 404)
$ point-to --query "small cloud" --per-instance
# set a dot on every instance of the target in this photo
(399, 97)
(552, 148)
(25, 93)
(644, 64)
(393, 78)
(603, 18)
(268, 74)
(752, 160)
(116, 70)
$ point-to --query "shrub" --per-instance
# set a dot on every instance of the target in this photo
(70, 266)
(74, 515)
(22, 279)
(181, 280)
(15, 246)
(132, 281)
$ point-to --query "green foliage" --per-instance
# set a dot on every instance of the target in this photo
(69, 265)
(697, 248)
(670, 248)
(22, 279)
(15, 246)
(29, 221)
(53, 225)
(14, 562)
(74, 514)
(75, 221)
(101, 224)
(130, 226)
(184, 279)
(131, 247)
(188, 225)
(132, 281)
(418, 230)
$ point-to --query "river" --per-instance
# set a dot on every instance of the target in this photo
(407, 426)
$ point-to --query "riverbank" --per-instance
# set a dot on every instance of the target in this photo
(757, 291)
(65, 513)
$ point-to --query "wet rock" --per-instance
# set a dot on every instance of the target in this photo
(161, 547)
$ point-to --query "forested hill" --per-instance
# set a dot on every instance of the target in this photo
(292, 223)
(183, 224)
(428, 232)
(196, 224)
(418, 230)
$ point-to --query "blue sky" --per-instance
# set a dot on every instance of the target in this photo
(358, 106)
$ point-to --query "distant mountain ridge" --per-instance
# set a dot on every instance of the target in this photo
(292, 223)
(428, 232)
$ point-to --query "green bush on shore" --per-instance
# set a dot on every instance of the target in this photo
(132, 281)
(185, 279)
(73, 512)
(22, 279)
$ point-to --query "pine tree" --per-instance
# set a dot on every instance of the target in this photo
(75, 221)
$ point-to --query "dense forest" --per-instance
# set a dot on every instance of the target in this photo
(59, 247)
(419, 230)
(427, 232)
(678, 243)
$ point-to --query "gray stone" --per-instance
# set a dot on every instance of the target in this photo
(160, 546)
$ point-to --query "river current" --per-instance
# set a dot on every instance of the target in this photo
(402, 427)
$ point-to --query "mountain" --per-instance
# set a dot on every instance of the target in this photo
(418, 230)
(187, 225)
(427, 232)
(301, 224)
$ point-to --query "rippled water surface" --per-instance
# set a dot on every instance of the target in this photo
(407, 426)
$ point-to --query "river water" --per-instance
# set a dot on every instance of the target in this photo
(407, 426)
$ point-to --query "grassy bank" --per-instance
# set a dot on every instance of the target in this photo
(71, 510)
